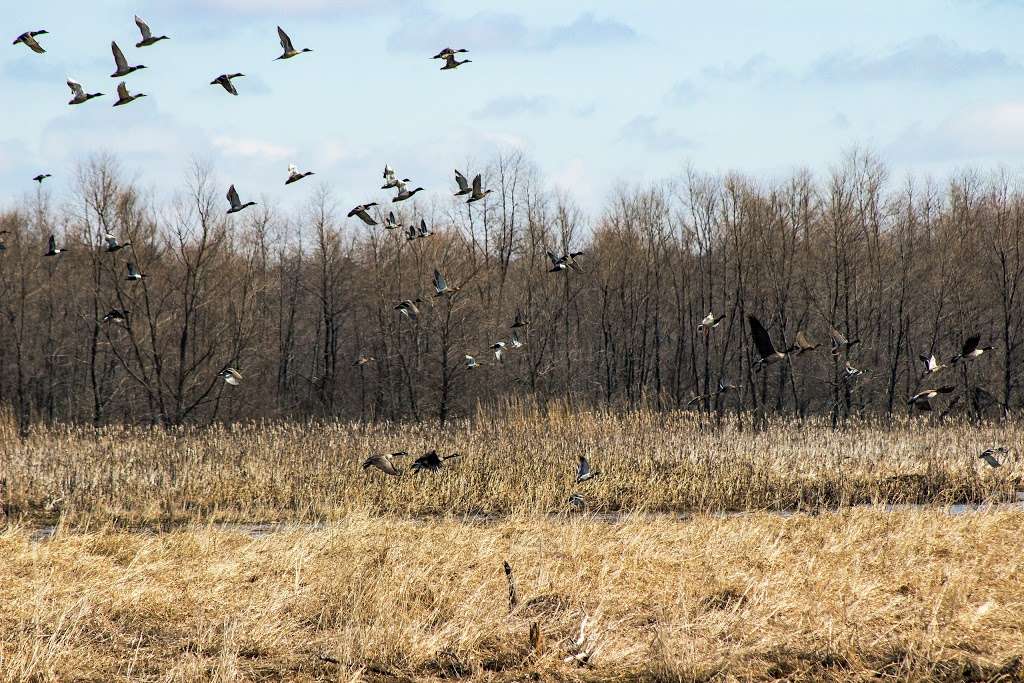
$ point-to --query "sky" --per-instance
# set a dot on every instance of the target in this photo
(597, 94)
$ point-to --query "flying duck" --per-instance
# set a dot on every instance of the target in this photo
(121, 63)
(147, 35)
(78, 94)
(803, 344)
(521, 320)
(922, 399)
(441, 285)
(133, 273)
(408, 309)
(710, 322)
(294, 175)
(450, 62)
(52, 249)
(116, 315)
(362, 212)
(405, 193)
(471, 362)
(558, 264)
(123, 97)
(424, 230)
(851, 372)
(390, 223)
(989, 455)
(515, 343)
(41, 177)
(231, 376)
(224, 80)
(28, 39)
(112, 243)
(499, 349)
(477, 193)
(448, 52)
(840, 342)
(411, 233)
(431, 462)
(583, 471)
(971, 350)
(236, 203)
(392, 181)
(385, 463)
(362, 360)
(931, 365)
(286, 45)
(767, 355)
(464, 185)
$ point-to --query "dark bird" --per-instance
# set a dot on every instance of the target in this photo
(124, 97)
(448, 52)
(147, 35)
(767, 354)
(41, 177)
(28, 39)
(477, 192)
(404, 192)
(710, 322)
(851, 372)
(450, 62)
(989, 455)
(236, 203)
(390, 223)
(840, 342)
(112, 243)
(424, 231)
(441, 285)
(121, 63)
(224, 80)
(922, 399)
(133, 273)
(116, 315)
(231, 376)
(286, 45)
(465, 187)
(78, 94)
(971, 349)
(294, 175)
(408, 309)
(52, 249)
(521, 320)
(431, 462)
(558, 264)
(385, 463)
(362, 212)
(583, 471)
(412, 234)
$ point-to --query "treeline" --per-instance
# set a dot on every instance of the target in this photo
(293, 301)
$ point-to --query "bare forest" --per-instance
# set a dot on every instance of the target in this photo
(294, 301)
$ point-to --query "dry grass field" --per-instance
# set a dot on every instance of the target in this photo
(855, 595)
(514, 462)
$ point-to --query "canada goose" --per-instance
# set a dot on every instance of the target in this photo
(224, 80)
(431, 462)
(123, 97)
(133, 273)
(499, 349)
(41, 177)
(112, 243)
(521, 320)
(236, 203)
(767, 355)
(851, 372)
(294, 175)
(471, 362)
(451, 63)
(385, 463)
(424, 230)
(558, 264)
(931, 365)
(115, 315)
(989, 455)
(515, 343)
(922, 399)
(362, 360)
(362, 212)
(405, 193)
(78, 94)
(286, 45)
(441, 285)
(464, 185)
(583, 471)
(803, 344)
(408, 309)
(121, 63)
(448, 52)
(839, 342)
(710, 322)
(231, 376)
(391, 223)
(28, 39)
(52, 249)
(970, 350)
(411, 234)
(147, 35)
(478, 193)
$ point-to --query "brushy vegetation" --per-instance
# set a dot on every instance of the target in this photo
(856, 595)
(515, 462)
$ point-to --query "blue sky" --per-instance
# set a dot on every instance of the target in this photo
(596, 93)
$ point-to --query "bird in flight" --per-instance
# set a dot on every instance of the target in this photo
(989, 455)
(41, 177)
(28, 39)
(124, 97)
(79, 95)
(286, 45)
(123, 69)
(766, 351)
(431, 462)
(583, 471)
(224, 80)
(385, 463)
(147, 35)
(231, 376)
(362, 213)
(710, 322)
(294, 175)
(236, 203)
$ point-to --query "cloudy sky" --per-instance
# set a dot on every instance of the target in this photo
(595, 92)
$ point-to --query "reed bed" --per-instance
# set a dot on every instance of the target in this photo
(514, 462)
(856, 595)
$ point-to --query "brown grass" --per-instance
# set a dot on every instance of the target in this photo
(855, 595)
(519, 462)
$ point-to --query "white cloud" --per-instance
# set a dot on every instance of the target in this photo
(251, 147)
(994, 131)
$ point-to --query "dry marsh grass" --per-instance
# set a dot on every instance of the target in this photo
(855, 595)
(518, 462)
